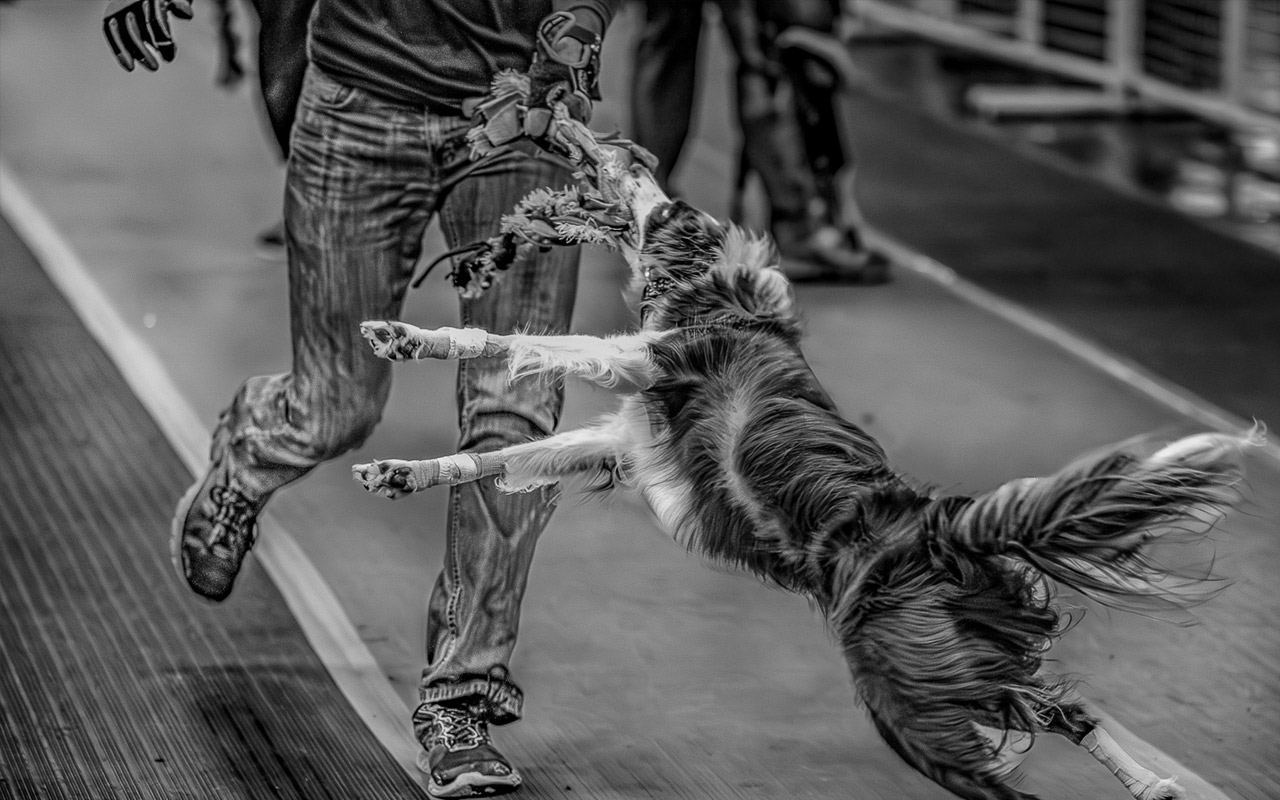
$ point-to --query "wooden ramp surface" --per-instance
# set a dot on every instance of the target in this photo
(114, 681)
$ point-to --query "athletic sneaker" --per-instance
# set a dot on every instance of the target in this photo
(833, 254)
(457, 755)
(213, 529)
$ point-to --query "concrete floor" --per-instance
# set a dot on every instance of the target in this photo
(647, 673)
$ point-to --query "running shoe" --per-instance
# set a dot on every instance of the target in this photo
(213, 529)
(831, 254)
(457, 754)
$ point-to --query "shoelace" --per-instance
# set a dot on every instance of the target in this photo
(458, 729)
(233, 519)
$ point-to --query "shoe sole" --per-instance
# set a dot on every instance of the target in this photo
(469, 784)
(802, 271)
(270, 252)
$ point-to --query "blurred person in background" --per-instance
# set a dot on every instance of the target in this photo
(787, 82)
(282, 65)
(377, 149)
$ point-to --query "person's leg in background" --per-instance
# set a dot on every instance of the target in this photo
(770, 144)
(282, 63)
(474, 611)
(664, 80)
(355, 210)
(813, 83)
(793, 141)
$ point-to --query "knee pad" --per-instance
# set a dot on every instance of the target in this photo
(808, 68)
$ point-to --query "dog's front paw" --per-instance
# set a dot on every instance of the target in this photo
(395, 341)
(392, 478)
(400, 341)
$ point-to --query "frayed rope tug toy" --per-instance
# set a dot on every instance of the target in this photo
(596, 211)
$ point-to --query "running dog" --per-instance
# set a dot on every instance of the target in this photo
(943, 605)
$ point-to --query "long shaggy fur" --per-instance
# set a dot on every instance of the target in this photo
(942, 605)
(613, 362)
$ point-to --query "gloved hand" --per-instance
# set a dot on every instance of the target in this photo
(566, 69)
(138, 30)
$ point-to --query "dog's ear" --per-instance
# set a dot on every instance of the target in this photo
(743, 249)
(775, 290)
(757, 257)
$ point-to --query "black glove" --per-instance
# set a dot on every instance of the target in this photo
(138, 30)
(566, 69)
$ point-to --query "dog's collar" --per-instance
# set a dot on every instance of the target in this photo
(655, 287)
(723, 322)
(711, 323)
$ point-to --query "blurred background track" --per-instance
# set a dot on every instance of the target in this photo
(647, 674)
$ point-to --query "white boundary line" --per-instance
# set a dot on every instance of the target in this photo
(1166, 393)
(313, 603)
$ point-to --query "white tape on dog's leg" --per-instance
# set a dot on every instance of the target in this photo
(489, 464)
(466, 342)
(423, 474)
(408, 341)
(452, 470)
(447, 470)
(1141, 782)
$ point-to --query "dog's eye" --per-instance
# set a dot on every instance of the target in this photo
(663, 215)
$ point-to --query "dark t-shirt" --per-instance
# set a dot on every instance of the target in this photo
(433, 53)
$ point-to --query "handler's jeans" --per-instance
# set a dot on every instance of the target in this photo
(365, 177)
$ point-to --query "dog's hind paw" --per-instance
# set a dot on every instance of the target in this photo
(1165, 789)
(392, 479)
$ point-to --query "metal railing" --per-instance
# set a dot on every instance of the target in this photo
(1219, 59)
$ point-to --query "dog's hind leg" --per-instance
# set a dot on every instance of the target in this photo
(1073, 720)
(1141, 782)
(519, 467)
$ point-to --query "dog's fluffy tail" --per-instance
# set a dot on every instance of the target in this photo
(1088, 525)
(945, 629)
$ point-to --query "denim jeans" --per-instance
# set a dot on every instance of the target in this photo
(365, 177)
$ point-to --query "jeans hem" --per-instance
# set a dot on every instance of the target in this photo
(497, 701)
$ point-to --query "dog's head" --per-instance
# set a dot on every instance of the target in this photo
(692, 268)
(678, 236)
